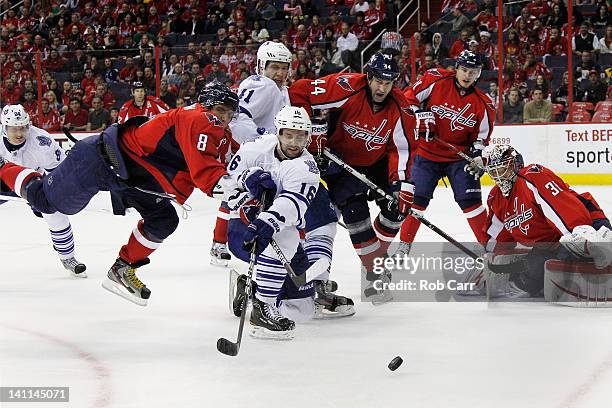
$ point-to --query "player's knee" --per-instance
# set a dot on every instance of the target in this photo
(161, 227)
(355, 209)
(327, 230)
(468, 203)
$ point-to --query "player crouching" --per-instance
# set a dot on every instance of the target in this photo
(530, 205)
(280, 172)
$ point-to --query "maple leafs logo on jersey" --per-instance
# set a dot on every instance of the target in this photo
(214, 120)
(517, 220)
(312, 166)
(373, 139)
(457, 118)
(43, 140)
(343, 82)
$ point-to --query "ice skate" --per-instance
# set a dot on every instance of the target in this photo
(268, 323)
(403, 250)
(329, 305)
(372, 282)
(238, 292)
(122, 281)
(75, 267)
(219, 255)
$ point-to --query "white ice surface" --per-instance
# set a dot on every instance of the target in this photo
(61, 331)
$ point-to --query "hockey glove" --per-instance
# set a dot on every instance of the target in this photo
(586, 242)
(258, 233)
(256, 181)
(476, 167)
(404, 196)
(316, 148)
(425, 125)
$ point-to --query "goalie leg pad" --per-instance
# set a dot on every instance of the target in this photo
(577, 284)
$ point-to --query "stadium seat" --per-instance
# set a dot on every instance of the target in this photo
(603, 106)
(605, 59)
(582, 106)
(560, 61)
(581, 116)
(602, 116)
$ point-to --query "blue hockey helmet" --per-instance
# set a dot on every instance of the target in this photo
(469, 59)
(382, 66)
(216, 93)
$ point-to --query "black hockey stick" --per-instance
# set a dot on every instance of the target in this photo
(382, 193)
(69, 135)
(461, 154)
(298, 280)
(225, 346)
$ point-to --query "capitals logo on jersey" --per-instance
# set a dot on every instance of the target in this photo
(457, 117)
(519, 218)
(373, 139)
(343, 81)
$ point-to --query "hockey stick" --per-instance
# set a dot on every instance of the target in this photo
(315, 269)
(225, 346)
(69, 135)
(461, 154)
(382, 193)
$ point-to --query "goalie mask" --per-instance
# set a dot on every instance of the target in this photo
(502, 163)
(293, 128)
(15, 124)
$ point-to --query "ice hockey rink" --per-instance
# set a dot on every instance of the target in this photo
(61, 331)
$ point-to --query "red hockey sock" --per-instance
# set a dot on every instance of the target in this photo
(477, 218)
(410, 227)
(220, 232)
(367, 252)
(139, 246)
(16, 176)
(385, 233)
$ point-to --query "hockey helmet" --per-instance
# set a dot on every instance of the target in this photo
(469, 59)
(295, 118)
(271, 51)
(138, 85)
(382, 66)
(502, 162)
(216, 93)
(15, 115)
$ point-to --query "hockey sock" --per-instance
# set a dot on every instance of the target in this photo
(220, 232)
(365, 242)
(410, 226)
(319, 244)
(139, 246)
(477, 218)
(61, 234)
(385, 230)
(270, 278)
(16, 177)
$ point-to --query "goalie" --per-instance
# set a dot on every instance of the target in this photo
(532, 206)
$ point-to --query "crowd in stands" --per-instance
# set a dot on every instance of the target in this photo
(93, 51)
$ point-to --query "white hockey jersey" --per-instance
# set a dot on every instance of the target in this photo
(39, 152)
(260, 101)
(296, 179)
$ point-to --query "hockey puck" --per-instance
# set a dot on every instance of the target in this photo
(395, 363)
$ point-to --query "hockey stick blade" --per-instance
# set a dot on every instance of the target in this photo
(227, 347)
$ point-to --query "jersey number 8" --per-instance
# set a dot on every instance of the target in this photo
(202, 140)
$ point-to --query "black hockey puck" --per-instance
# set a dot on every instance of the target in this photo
(395, 363)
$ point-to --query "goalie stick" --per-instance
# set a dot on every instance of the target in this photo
(382, 193)
(69, 135)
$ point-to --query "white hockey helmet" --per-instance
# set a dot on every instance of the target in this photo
(295, 118)
(271, 51)
(15, 115)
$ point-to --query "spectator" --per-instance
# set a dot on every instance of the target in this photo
(335, 23)
(513, 108)
(180, 102)
(195, 25)
(292, 8)
(440, 52)
(605, 43)
(216, 74)
(526, 17)
(595, 90)
(347, 44)
(584, 40)
(493, 93)
(538, 110)
(375, 17)
(459, 45)
(48, 118)
(603, 17)
(334, 56)
(175, 78)
(76, 118)
(165, 94)
(556, 45)
(558, 17)
(54, 62)
(128, 72)
(260, 33)
(426, 34)
(149, 80)
(587, 64)
(29, 103)
(99, 118)
(359, 6)
(301, 40)
(360, 28)
(533, 68)
(309, 10)
(538, 8)
(105, 95)
(110, 74)
(303, 72)
(318, 62)
(459, 22)
(486, 21)
(264, 11)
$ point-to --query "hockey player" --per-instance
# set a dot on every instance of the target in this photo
(370, 128)
(282, 167)
(457, 112)
(30, 146)
(261, 97)
(141, 104)
(147, 167)
(532, 206)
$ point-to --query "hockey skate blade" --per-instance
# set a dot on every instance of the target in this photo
(81, 275)
(118, 290)
(321, 313)
(227, 347)
(258, 332)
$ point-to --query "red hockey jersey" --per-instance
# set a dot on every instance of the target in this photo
(361, 137)
(541, 208)
(460, 120)
(183, 148)
(151, 107)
